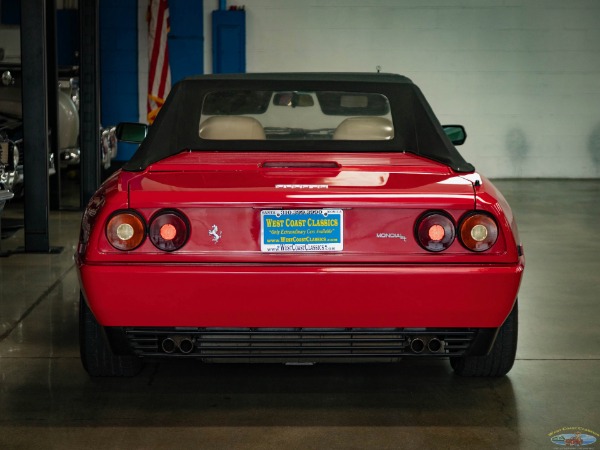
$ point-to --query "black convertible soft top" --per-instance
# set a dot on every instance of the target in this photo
(417, 129)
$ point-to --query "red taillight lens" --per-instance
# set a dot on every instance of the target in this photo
(126, 230)
(435, 231)
(169, 230)
(478, 232)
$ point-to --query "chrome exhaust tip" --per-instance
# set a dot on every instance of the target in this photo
(417, 345)
(168, 345)
(186, 345)
(434, 345)
(171, 344)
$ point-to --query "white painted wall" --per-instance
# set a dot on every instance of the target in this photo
(522, 75)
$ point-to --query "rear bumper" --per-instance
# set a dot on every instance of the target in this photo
(260, 296)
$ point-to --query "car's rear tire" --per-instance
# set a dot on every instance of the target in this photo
(97, 357)
(500, 359)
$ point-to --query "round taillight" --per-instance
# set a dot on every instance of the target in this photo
(169, 230)
(125, 230)
(435, 231)
(478, 232)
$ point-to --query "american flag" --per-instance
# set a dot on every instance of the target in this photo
(159, 73)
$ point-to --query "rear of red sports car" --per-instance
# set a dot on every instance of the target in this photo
(299, 219)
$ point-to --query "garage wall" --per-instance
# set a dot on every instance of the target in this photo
(522, 75)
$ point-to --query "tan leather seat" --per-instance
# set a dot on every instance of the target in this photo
(364, 129)
(232, 128)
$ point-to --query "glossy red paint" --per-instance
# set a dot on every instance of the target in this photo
(382, 278)
(301, 296)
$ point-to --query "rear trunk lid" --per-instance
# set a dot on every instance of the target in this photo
(302, 207)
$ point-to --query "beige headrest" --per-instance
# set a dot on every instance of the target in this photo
(364, 129)
(231, 128)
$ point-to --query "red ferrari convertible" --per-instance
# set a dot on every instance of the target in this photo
(298, 218)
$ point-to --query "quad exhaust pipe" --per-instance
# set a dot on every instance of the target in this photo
(168, 345)
(171, 344)
(417, 345)
(420, 344)
(434, 345)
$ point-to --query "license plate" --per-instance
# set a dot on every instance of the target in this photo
(293, 230)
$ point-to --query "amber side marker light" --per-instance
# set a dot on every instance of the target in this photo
(435, 231)
(169, 230)
(478, 232)
(125, 230)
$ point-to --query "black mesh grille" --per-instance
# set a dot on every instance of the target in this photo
(300, 343)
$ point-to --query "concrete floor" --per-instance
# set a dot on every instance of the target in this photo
(48, 401)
